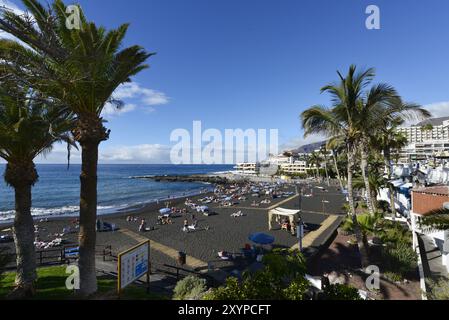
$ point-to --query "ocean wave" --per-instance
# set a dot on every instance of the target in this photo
(68, 211)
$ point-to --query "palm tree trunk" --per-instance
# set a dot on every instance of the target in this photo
(327, 173)
(337, 171)
(350, 190)
(361, 244)
(89, 132)
(88, 216)
(390, 186)
(364, 167)
(22, 177)
(23, 232)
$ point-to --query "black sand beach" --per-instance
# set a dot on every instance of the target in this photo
(218, 232)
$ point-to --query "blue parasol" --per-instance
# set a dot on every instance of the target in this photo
(261, 238)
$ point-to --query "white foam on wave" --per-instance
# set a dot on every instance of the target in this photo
(68, 211)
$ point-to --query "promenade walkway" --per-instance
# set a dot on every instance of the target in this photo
(194, 263)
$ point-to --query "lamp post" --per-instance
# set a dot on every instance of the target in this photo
(300, 233)
(324, 201)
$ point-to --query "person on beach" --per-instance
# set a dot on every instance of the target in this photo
(143, 226)
(186, 226)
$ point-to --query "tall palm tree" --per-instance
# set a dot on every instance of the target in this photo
(29, 126)
(82, 68)
(336, 145)
(315, 160)
(355, 114)
(389, 139)
(324, 153)
(368, 111)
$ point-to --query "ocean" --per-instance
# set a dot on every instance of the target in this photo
(57, 191)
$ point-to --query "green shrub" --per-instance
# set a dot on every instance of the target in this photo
(281, 279)
(297, 289)
(400, 259)
(5, 259)
(347, 225)
(383, 205)
(190, 288)
(393, 232)
(340, 292)
(439, 290)
(393, 276)
(230, 291)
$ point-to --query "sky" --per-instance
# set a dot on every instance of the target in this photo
(260, 63)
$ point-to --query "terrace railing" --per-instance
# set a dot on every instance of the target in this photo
(62, 255)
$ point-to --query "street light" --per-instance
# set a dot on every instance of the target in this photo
(324, 201)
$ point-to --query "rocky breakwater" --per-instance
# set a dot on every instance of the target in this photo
(213, 179)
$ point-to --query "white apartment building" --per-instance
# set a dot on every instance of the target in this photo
(247, 168)
(298, 166)
(425, 142)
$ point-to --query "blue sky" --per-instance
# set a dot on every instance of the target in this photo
(258, 64)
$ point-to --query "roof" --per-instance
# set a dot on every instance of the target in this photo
(284, 212)
(433, 122)
(439, 190)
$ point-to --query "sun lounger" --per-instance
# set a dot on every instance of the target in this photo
(237, 214)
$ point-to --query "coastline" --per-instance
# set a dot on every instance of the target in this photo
(128, 210)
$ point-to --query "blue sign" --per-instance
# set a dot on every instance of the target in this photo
(141, 269)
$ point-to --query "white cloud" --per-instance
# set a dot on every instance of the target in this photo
(144, 153)
(439, 109)
(8, 5)
(140, 96)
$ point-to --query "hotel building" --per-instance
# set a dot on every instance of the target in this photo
(429, 138)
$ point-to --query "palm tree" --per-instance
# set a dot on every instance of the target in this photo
(29, 126)
(336, 123)
(81, 68)
(336, 145)
(368, 111)
(324, 153)
(387, 140)
(315, 160)
(355, 115)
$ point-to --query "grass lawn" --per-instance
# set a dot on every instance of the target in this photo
(51, 286)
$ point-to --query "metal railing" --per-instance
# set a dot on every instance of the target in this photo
(60, 255)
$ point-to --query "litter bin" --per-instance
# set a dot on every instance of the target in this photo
(181, 258)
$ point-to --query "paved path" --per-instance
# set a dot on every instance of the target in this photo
(322, 234)
(191, 262)
(283, 201)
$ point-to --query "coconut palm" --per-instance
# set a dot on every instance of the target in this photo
(81, 68)
(356, 113)
(316, 160)
(324, 153)
(387, 140)
(336, 146)
(29, 126)
(367, 112)
(335, 123)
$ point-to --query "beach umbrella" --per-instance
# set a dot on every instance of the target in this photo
(261, 238)
(165, 211)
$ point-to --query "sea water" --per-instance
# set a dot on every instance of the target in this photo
(57, 191)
